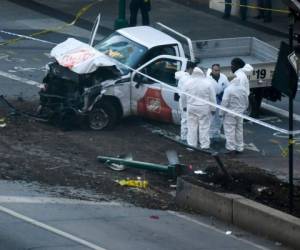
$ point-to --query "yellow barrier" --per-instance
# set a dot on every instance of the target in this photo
(79, 14)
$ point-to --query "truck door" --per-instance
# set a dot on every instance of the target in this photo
(153, 89)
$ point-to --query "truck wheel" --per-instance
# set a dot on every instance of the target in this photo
(255, 101)
(47, 114)
(67, 119)
(103, 116)
(44, 112)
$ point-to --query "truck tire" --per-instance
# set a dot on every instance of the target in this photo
(44, 112)
(255, 100)
(103, 116)
(67, 119)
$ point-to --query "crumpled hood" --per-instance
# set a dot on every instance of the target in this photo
(80, 57)
(180, 74)
(247, 69)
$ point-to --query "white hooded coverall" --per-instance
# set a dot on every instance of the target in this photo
(220, 85)
(235, 98)
(198, 112)
(242, 73)
(182, 78)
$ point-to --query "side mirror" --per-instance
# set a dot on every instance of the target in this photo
(137, 85)
(140, 79)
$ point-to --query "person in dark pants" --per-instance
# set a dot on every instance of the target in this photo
(144, 6)
(243, 9)
(227, 10)
(266, 15)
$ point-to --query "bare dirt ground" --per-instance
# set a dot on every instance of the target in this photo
(34, 151)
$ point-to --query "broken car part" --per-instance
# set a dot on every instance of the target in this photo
(67, 96)
(212, 153)
(14, 111)
(120, 167)
(171, 170)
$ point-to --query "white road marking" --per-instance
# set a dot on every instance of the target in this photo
(51, 229)
(47, 55)
(9, 58)
(51, 200)
(22, 69)
(20, 79)
(182, 216)
(284, 136)
(27, 37)
(279, 111)
(270, 118)
(3, 56)
(251, 146)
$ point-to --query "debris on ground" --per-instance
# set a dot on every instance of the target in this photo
(199, 172)
(2, 122)
(134, 183)
(52, 157)
(154, 217)
(173, 170)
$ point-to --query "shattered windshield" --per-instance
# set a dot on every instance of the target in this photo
(122, 49)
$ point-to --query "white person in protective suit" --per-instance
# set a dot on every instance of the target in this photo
(183, 77)
(220, 82)
(235, 98)
(199, 113)
(241, 71)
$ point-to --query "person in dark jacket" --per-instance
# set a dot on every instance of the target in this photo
(227, 10)
(266, 15)
(144, 6)
(243, 9)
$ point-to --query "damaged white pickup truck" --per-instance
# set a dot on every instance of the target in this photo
(102, 82)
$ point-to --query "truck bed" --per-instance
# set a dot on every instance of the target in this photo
(225, 61)
(221, 51)
(259, 54)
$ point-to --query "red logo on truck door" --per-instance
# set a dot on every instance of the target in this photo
(152, 105)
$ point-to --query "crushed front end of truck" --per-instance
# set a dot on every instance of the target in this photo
(67, 96)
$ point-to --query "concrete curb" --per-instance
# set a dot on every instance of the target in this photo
(241, 212)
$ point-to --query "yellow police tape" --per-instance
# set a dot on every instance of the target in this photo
(79, 14)
(134, 183)
(257, 8)
(292, 141)
(285, 151)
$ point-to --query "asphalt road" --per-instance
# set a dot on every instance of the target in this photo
(41, 219)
